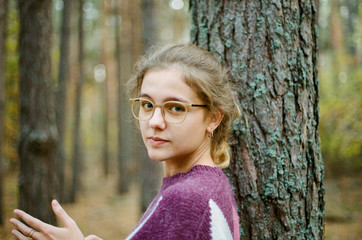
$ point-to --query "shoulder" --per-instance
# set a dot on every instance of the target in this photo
(195, 205)
(204, 207)
(189, 194)
(198, 185)
(202, 191)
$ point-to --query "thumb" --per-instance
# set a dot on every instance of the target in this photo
(61, 214)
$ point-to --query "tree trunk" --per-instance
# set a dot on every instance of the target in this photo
(270, 50)
(126, 47)
(104, 92)
(63, 75)
(151, 171)
(38, 132)
(150, 32)
(351, 29)
(77, 135)
(3, 27)
(123, 150)
(136, 29)
(335, 21)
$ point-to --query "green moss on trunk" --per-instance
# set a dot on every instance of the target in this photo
(270, 49)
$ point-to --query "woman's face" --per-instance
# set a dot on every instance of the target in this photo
(173, 143)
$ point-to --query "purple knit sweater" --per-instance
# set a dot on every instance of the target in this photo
(198, 204)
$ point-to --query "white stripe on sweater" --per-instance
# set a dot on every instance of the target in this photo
(219, 227)
(144, 221)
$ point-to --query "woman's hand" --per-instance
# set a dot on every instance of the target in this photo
(92, 237)
(39, 230)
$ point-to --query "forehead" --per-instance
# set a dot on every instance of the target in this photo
(164, 84)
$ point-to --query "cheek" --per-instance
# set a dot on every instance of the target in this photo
(142, 127)
(191, 134)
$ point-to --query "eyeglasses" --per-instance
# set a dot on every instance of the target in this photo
(172, 111)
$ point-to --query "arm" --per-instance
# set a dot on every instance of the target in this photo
(39, 230)
(174, 216)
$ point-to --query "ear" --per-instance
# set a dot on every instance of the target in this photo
(215, 119)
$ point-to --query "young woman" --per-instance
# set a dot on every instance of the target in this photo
(184, 107)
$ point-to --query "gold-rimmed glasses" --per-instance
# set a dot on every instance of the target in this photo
(172, 111)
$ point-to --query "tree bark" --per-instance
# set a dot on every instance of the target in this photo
(270, 50)
(77, 135)
(63, 74)
(38, 132)
(3, 26)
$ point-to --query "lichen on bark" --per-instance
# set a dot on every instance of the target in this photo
(270, 50)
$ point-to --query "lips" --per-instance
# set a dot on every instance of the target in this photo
(156, 141)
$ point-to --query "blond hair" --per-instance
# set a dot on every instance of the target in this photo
(204, 74)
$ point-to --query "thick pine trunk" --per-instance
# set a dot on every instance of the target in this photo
(63, 74)
(38, 132)
(3, 26)
(270, 50)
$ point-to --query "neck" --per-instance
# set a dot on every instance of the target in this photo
(200, 156)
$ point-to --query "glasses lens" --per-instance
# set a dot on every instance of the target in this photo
(135, 106)
(142, 109)
(175, 112)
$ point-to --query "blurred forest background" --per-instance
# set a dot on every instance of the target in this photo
(113, 32)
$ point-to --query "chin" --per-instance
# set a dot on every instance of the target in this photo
(156, 156)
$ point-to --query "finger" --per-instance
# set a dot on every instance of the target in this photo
(62, 214)
(21, 226)
(23, 230)
(18, 235)
(31, 221)
(92, 237)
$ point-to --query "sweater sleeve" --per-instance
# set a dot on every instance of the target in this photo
(175, 216)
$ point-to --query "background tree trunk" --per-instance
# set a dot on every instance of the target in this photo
(151, 171)
(121, 66)
(270, 50)
(3, 26)
(63, 74)
(351, 29)
(38, 132)
(77, 135)
(104, 92)
(149, 23)
(127, 50)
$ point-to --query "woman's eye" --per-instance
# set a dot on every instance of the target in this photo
(176, 108)
(146, 105)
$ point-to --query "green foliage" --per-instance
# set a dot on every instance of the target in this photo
(341, 114)
(11, 119)
(341, 135)
(340, 87)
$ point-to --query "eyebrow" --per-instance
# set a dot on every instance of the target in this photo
(145, 95)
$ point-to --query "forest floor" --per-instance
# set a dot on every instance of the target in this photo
(343, 208)
(99, 211)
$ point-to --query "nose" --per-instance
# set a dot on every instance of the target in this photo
(157, 120)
